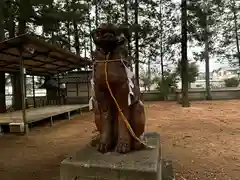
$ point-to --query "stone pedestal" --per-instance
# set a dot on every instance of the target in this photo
(17, 128)
(89, 164)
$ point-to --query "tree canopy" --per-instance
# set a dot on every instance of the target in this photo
(211, 26)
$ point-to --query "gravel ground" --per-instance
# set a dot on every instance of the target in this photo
(203, 142)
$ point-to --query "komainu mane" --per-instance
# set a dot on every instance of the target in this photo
(111, 67)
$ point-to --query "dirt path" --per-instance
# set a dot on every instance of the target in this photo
(202, 141)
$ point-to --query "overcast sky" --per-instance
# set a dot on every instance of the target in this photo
(213, 65)
(213, 62)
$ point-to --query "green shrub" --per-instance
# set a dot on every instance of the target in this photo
(168, 85)
(231, 82)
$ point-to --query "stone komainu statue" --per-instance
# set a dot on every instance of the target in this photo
(110, 44)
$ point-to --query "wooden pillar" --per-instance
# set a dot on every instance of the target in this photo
(2, 93)
(23, 95)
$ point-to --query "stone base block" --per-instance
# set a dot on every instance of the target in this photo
(89, 164)
(16, 127)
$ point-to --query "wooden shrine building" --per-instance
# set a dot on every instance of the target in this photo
(30, 55)
(78, 86)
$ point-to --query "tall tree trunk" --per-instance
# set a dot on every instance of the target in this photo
(68, 27)
(16, 80)
(161, 43)
(76, 35)
(149, 74)
(76, 38)
(69, 35)
(161, 61)
(108, 19)
(2, 74)
(126, 12)
(136, 44)
(161, 48)
(206, 52)
(85, 46)
(184, 61)
(207, 70)
(53, 38)
(43, 33)
(52, 31)
(12, 29)
(126, 23)
(96, 13)
(90, 29)
(236, 30)
(22, 21)
(2, 35)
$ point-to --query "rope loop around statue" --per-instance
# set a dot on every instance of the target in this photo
(106, 61)
(110, 60)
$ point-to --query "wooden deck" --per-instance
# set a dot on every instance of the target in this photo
(37, 114)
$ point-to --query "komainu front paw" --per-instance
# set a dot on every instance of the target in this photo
(123, 146)
(104, 146)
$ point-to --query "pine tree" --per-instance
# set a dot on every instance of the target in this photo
(10, 14)
(235, 17)
(2, 20)
(136, 5)
(68, 23)
(2, 74)
(168, 36)
(229, 47)
(203, 28)
(184, 61)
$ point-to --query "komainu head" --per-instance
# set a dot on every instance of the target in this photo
(108, 36)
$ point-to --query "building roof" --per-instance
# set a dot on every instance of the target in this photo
(226, 69)
(40, 57)
(77, 77)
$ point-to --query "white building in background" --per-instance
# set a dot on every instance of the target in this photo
(217, 78)
(224, 73)
(8, 91)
